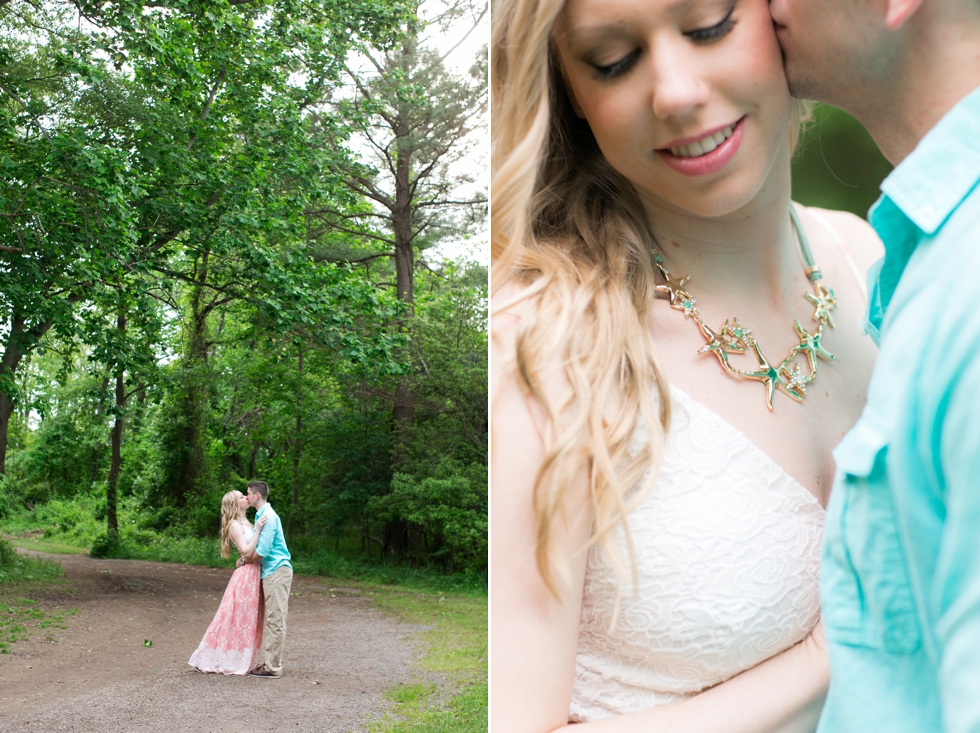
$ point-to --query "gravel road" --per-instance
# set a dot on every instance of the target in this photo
(96, 675)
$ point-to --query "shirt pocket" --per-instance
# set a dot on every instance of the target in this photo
(866, 594)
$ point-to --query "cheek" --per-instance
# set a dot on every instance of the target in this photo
(618, 120)
(764, 58)
(607, 112)
(761, 78)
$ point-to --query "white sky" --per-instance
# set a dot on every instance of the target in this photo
(477, 162)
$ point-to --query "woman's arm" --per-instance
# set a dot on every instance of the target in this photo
(534, 637)
(237, 534)
(784, 694)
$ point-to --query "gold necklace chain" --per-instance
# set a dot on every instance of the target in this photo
(734, 338)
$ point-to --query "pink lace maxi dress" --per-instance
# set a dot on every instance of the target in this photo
(233, 642)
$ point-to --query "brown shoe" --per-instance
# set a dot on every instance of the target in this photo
(263, 672)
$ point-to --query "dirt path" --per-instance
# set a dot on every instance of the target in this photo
(96, 675)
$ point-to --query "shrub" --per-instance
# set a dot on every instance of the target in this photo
(448, 510)
(108, 545)
(8, 558)
(14, 567)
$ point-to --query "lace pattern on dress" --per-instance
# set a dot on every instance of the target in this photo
(727, 550)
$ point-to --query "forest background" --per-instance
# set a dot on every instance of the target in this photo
(224, 228)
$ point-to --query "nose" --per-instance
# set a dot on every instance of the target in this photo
(678, 86)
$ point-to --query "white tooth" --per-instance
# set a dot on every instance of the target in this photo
(727, 132)
(696, 148)
(675, 151)
(708, 144)
(718, 137)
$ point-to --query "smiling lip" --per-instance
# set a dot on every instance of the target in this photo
(711, 162)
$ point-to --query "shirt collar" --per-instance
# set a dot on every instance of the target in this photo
(921, 194)
(944, 167)
(260, 512)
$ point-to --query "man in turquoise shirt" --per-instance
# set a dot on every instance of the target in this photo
(900, 582)
(277, 579)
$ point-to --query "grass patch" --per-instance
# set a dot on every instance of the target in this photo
(16, 568)
(455, 646)
(42, 544)
(20, 616)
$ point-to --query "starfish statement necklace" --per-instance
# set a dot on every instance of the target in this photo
(734, 338)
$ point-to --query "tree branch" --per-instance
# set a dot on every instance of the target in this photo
(466, 35)
(207, 105)
(370, 257)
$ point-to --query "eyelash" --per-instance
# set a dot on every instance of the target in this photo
(701, 35)
(604, 73)
(706, 35)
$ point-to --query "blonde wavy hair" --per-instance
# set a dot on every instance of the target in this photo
(229, 514)
(571, 232)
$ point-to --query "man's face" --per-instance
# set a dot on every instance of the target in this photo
(835, 51)
(252, 498)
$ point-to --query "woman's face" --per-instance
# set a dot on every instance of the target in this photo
(242, 501)
(686, 98)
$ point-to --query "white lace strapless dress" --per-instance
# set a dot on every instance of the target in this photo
(728, 556)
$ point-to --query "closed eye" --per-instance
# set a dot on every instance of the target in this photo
(706, 35)
(604, 73)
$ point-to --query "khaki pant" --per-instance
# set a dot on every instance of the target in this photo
(275, 588)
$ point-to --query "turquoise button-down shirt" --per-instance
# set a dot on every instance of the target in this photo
(900, 580)
(272, 542)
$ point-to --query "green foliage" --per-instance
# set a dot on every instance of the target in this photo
(449, 508)
(66, 453)
(838, 165)
(108, 545)
(15, 568)
(8, 558)
(188, 172)
(311, 555)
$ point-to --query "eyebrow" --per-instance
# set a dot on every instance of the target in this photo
(603, 30)
(593, 32)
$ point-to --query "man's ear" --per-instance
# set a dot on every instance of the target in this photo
(899, 11)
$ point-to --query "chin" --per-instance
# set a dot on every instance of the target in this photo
(725, 196)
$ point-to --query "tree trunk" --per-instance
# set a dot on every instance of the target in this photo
(297, 449)
(196, 404)
(18, 344)
(403, 408)
(111, 491)
(6, 411)
(396, 532)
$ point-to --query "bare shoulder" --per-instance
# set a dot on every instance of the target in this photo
(237, 533)
(509, 306)
(861, 240)
(510, 309)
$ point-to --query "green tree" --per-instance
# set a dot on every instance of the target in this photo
(413, 119)
(64, 217)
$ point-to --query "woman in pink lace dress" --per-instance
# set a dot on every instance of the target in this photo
(233, 641)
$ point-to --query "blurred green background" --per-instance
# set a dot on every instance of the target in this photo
(837, 164)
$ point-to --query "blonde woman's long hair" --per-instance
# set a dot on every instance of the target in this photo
(229, 514)
(572, 233)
